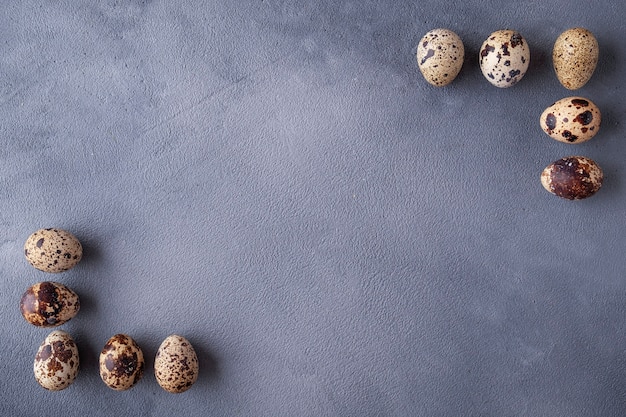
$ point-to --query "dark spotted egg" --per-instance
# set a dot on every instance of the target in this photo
(440, 55)
(571, 120)
(53, 250)
(121, 362)
(49, 304)
(176, 364)
(572, 177)
(575, 57)
(504, 58)
(56, 362)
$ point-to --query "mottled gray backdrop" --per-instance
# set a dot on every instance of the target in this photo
(275, 181)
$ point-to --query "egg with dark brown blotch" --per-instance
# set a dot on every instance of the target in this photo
(121, 362)
(53, 250)
(49, 304)
(575, 57)
(440, 55)
(176, 364)
(504, 58)
(571, 120)
(56, 362)
(572, 177)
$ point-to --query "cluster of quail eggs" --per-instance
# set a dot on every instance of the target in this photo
(121, 361)
(504, 58)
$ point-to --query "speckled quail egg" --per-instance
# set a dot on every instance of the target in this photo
(176, 364)
(571, 120)
(49, 304)
(575, 57)
(440, 55)
(56, 362)
(572, 177)
(53, 250)
(121, 362)
(504, 58)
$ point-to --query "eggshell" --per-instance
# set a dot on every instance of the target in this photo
(572, 177)
(53, 250)
(176, 364)
(504, 58)
(56, 362)
(440, 55)
(575, 57)
(49, 304)
(571, 120)
(121, 362)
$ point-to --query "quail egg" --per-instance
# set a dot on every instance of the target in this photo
(572, 177)
(56, 362)
(121, 362)
(571, 120)
(440, 55)
(575, 57)
(176, 364)
(53, 250)
(504, 58)
(49, 304)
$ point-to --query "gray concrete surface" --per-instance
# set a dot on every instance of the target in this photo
(275, 181)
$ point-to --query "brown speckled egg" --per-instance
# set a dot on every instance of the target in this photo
(571, 120)
(572, 177)
(176, 364)
(121, 362)
(440, 55)
(49, 304)
(575, 57)
(56, 361)
(504, 58)
(53, 250)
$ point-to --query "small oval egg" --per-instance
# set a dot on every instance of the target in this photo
(504, 58)
(53, 250)
(575, 57)
(176, 364)
(571, 120)
(56, 362)
(440, 55)
(572, 177)
(121, 362)
(49, 304)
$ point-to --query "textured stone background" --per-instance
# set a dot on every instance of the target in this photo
(275, 181)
